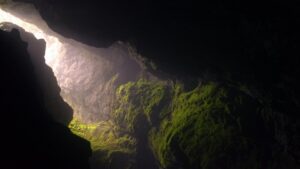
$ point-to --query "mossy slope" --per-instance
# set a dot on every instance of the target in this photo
(136, 99)
(209, 127)
(206, 130)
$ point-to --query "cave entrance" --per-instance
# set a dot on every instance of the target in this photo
(88, 79)
(87, 76)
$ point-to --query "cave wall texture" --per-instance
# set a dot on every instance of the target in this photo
(217, 88)
(185, 36)
(30, 137)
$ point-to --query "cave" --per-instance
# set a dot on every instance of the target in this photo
(149, 85)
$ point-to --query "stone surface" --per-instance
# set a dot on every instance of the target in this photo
(248, 119)
(30, 138)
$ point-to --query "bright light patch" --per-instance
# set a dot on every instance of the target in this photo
(53, 45)
(86, 75)
(78, 68)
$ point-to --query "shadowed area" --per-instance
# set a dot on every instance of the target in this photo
(30, 137)
(189, 86)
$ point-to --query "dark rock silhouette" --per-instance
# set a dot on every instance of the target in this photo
(30, 137)
(249, 37)
(59, 110)
(253, 47)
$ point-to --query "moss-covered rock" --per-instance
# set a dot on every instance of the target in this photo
(134, 99)
(111, 149)
(135, 111)
(103, 136)
(210, 127)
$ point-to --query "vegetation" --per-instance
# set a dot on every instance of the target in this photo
(138, 98)
(103, 136)
(211, 126)
(206, 130)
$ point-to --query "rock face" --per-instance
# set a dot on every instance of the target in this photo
(54, 103)
(237, 105)
(185, 37)
(30, 137)
(160, 124)
(89, 76)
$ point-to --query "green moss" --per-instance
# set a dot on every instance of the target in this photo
(204, 131)
(209, 127)
(111, 148)
(103, 136)
(136, 98)
(114, 140)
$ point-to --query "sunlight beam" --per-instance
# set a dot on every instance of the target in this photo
(53, 46)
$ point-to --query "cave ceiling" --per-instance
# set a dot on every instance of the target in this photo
(186, 36)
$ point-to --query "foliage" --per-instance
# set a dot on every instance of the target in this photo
(135, 99)
(206, 130)
(211, 126)
(103, 136)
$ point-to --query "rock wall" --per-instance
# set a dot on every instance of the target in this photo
(241, 112)
(88, 77)
(31, 139)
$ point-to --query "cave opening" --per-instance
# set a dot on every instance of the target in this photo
(88, 79)
(237, 111)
